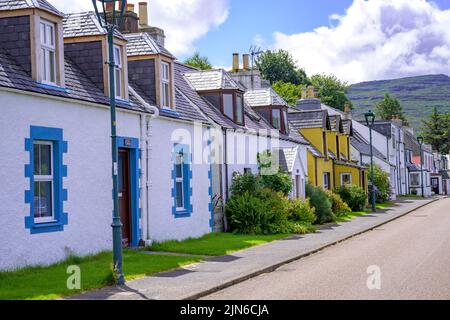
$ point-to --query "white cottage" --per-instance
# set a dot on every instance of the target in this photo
(56, 165)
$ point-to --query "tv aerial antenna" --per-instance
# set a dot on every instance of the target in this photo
(255, 52)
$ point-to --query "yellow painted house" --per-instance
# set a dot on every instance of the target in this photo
(329, 158)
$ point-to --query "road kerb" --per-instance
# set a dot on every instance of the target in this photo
(275, 266)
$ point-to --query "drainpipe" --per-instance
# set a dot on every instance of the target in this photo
(225, 163)
(145, 147)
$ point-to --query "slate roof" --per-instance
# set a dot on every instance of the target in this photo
(84, 24)
(264, 97)
(218, 79)
(308, 104)
(6, 5)
(336, 123)
(347, 126)
(384, 128)
(309, 119)
(78, 85)
(286, 158)
(316, 153)
(363, 146)
(142, 44)
(411, 143)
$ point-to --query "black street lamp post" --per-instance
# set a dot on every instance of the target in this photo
(110, 23)
(420, 141)
(370, 120)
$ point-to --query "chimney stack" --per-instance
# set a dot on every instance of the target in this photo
(143, 13)
(235, 62)
(347, 111)
(130, 23)
(246, 58)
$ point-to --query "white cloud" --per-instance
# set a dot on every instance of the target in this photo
(376, 39)
(184, 21)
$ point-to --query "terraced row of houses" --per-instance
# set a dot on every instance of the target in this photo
(183, 134)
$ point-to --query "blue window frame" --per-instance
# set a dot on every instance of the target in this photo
(181, 176)
(46, 172)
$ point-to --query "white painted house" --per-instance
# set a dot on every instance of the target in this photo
(56, 165)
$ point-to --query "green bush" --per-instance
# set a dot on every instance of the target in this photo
(280, 182)
(354, 196)
(244, 183)
(319, 201)
(382, 184)
(247, 214)
(277, 205)
(338, 206)
(301, 211)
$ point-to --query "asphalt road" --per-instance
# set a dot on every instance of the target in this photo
(406, 259)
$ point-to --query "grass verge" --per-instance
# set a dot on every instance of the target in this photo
(215, 244)
(45, 283)
(352, 215)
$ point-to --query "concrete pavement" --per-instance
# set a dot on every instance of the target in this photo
(411, 256)
(204, 278)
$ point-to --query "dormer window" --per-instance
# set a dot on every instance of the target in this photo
(165, 85)
(118, 71)
(48, 52)
(233, 107)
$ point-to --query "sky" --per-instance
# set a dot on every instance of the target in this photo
(356, 40)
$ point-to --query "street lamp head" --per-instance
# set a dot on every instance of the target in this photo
(420, 140)
(115, 14)
(370, 118)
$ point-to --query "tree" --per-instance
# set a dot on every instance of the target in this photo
(331, 90)
(436, 132)
(288, 91)
(199, 62)
(280, 66)
(389, 107)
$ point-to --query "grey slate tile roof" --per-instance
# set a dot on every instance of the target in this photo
(78, 85)
(264, 97)
(286, 158)
(84, 24)
(384, 128)
(336, 123)
(316, 153)
(363, 146)
(309, 119)
(347, 125)
(6, 5)
(308, 104)
(141, 44)
(218, 79)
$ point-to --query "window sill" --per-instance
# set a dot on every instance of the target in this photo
(182, 214)
(44, 227)
(54, 87)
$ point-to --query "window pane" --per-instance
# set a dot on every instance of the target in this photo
(166, 95)
(52, 66)
(37, 160)
(42, 160)
(49, 35)
(228, 105)
(42, 33)
(276, 118)
(286, 126)
(179, 199)
(239, 110)
(118, 82)
(43, 66)
(43, 199)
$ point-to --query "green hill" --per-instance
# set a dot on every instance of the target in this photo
(418, 96)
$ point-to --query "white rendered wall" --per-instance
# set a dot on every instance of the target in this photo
(89, 183)
(161, 221)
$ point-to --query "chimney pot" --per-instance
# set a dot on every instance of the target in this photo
(235, 62)
(311, 92)
(130, 7)
(246, 63)
(143, 13)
